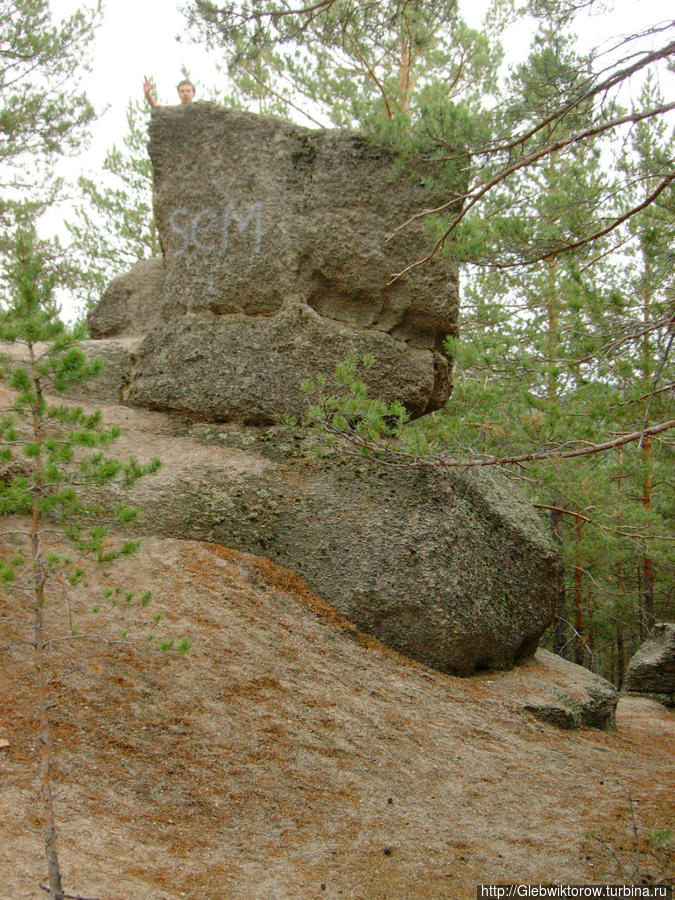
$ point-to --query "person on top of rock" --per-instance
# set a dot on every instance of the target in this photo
(186, 91)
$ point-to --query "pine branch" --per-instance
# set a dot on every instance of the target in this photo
(602, 87)
(401, 458)
(471, 198)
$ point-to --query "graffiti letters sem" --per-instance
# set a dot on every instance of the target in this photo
(209, 230)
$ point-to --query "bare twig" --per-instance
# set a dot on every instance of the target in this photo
(655, 381)
(605, 528)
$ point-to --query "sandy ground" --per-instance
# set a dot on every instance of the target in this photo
(286, 756)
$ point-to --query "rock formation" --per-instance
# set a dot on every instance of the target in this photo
(134, 303)
(277, 262)
(567, 695)
(454, 573)
(652, 669)
(279, 248)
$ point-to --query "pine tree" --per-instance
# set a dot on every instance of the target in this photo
(549, 356)
(646, 375)
(351, 62)
(43, 112)
(545, 330)
(53, 534)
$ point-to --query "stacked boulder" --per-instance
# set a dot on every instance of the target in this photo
(279, 247)
(280, 250)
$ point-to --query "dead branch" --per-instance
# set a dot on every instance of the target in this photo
(655, 381)
(619, 531)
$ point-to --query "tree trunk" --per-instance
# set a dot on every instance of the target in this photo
(46, 795)
(578, 599)
(646, 445)
(647, 562)
(620, 655)
(560, 627)
(40, 647)
(404, 76)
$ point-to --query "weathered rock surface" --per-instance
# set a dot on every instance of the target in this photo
(277, 263)
(278, 258)
(652, 669)
(250, 370)
(253, 211)
(133, 303)
(561, 693)
(286, 752)
(454, 573)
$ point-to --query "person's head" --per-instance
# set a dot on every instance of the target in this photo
(186, 91)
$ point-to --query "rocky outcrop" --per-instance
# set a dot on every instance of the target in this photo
(563, 694)
(455, 573)
(280, 244)
(250, 370)
(132, 304)
(652, 669)
(253, 212)
(117, 356)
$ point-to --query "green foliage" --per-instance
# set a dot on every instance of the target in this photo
(43, 112)
(53, 455)
(349, 411)
(57, 449)
(661, 837)
(572, 350)
(558, 355)
(352, 62)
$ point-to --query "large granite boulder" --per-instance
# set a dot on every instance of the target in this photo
(250, 370)
(278, 253)
(652, 669)
(455, 572)
(279, 248)
(253, 211)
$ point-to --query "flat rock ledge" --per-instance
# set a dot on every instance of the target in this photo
(560, 692)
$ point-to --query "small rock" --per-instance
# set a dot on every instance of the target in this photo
(561, 693)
